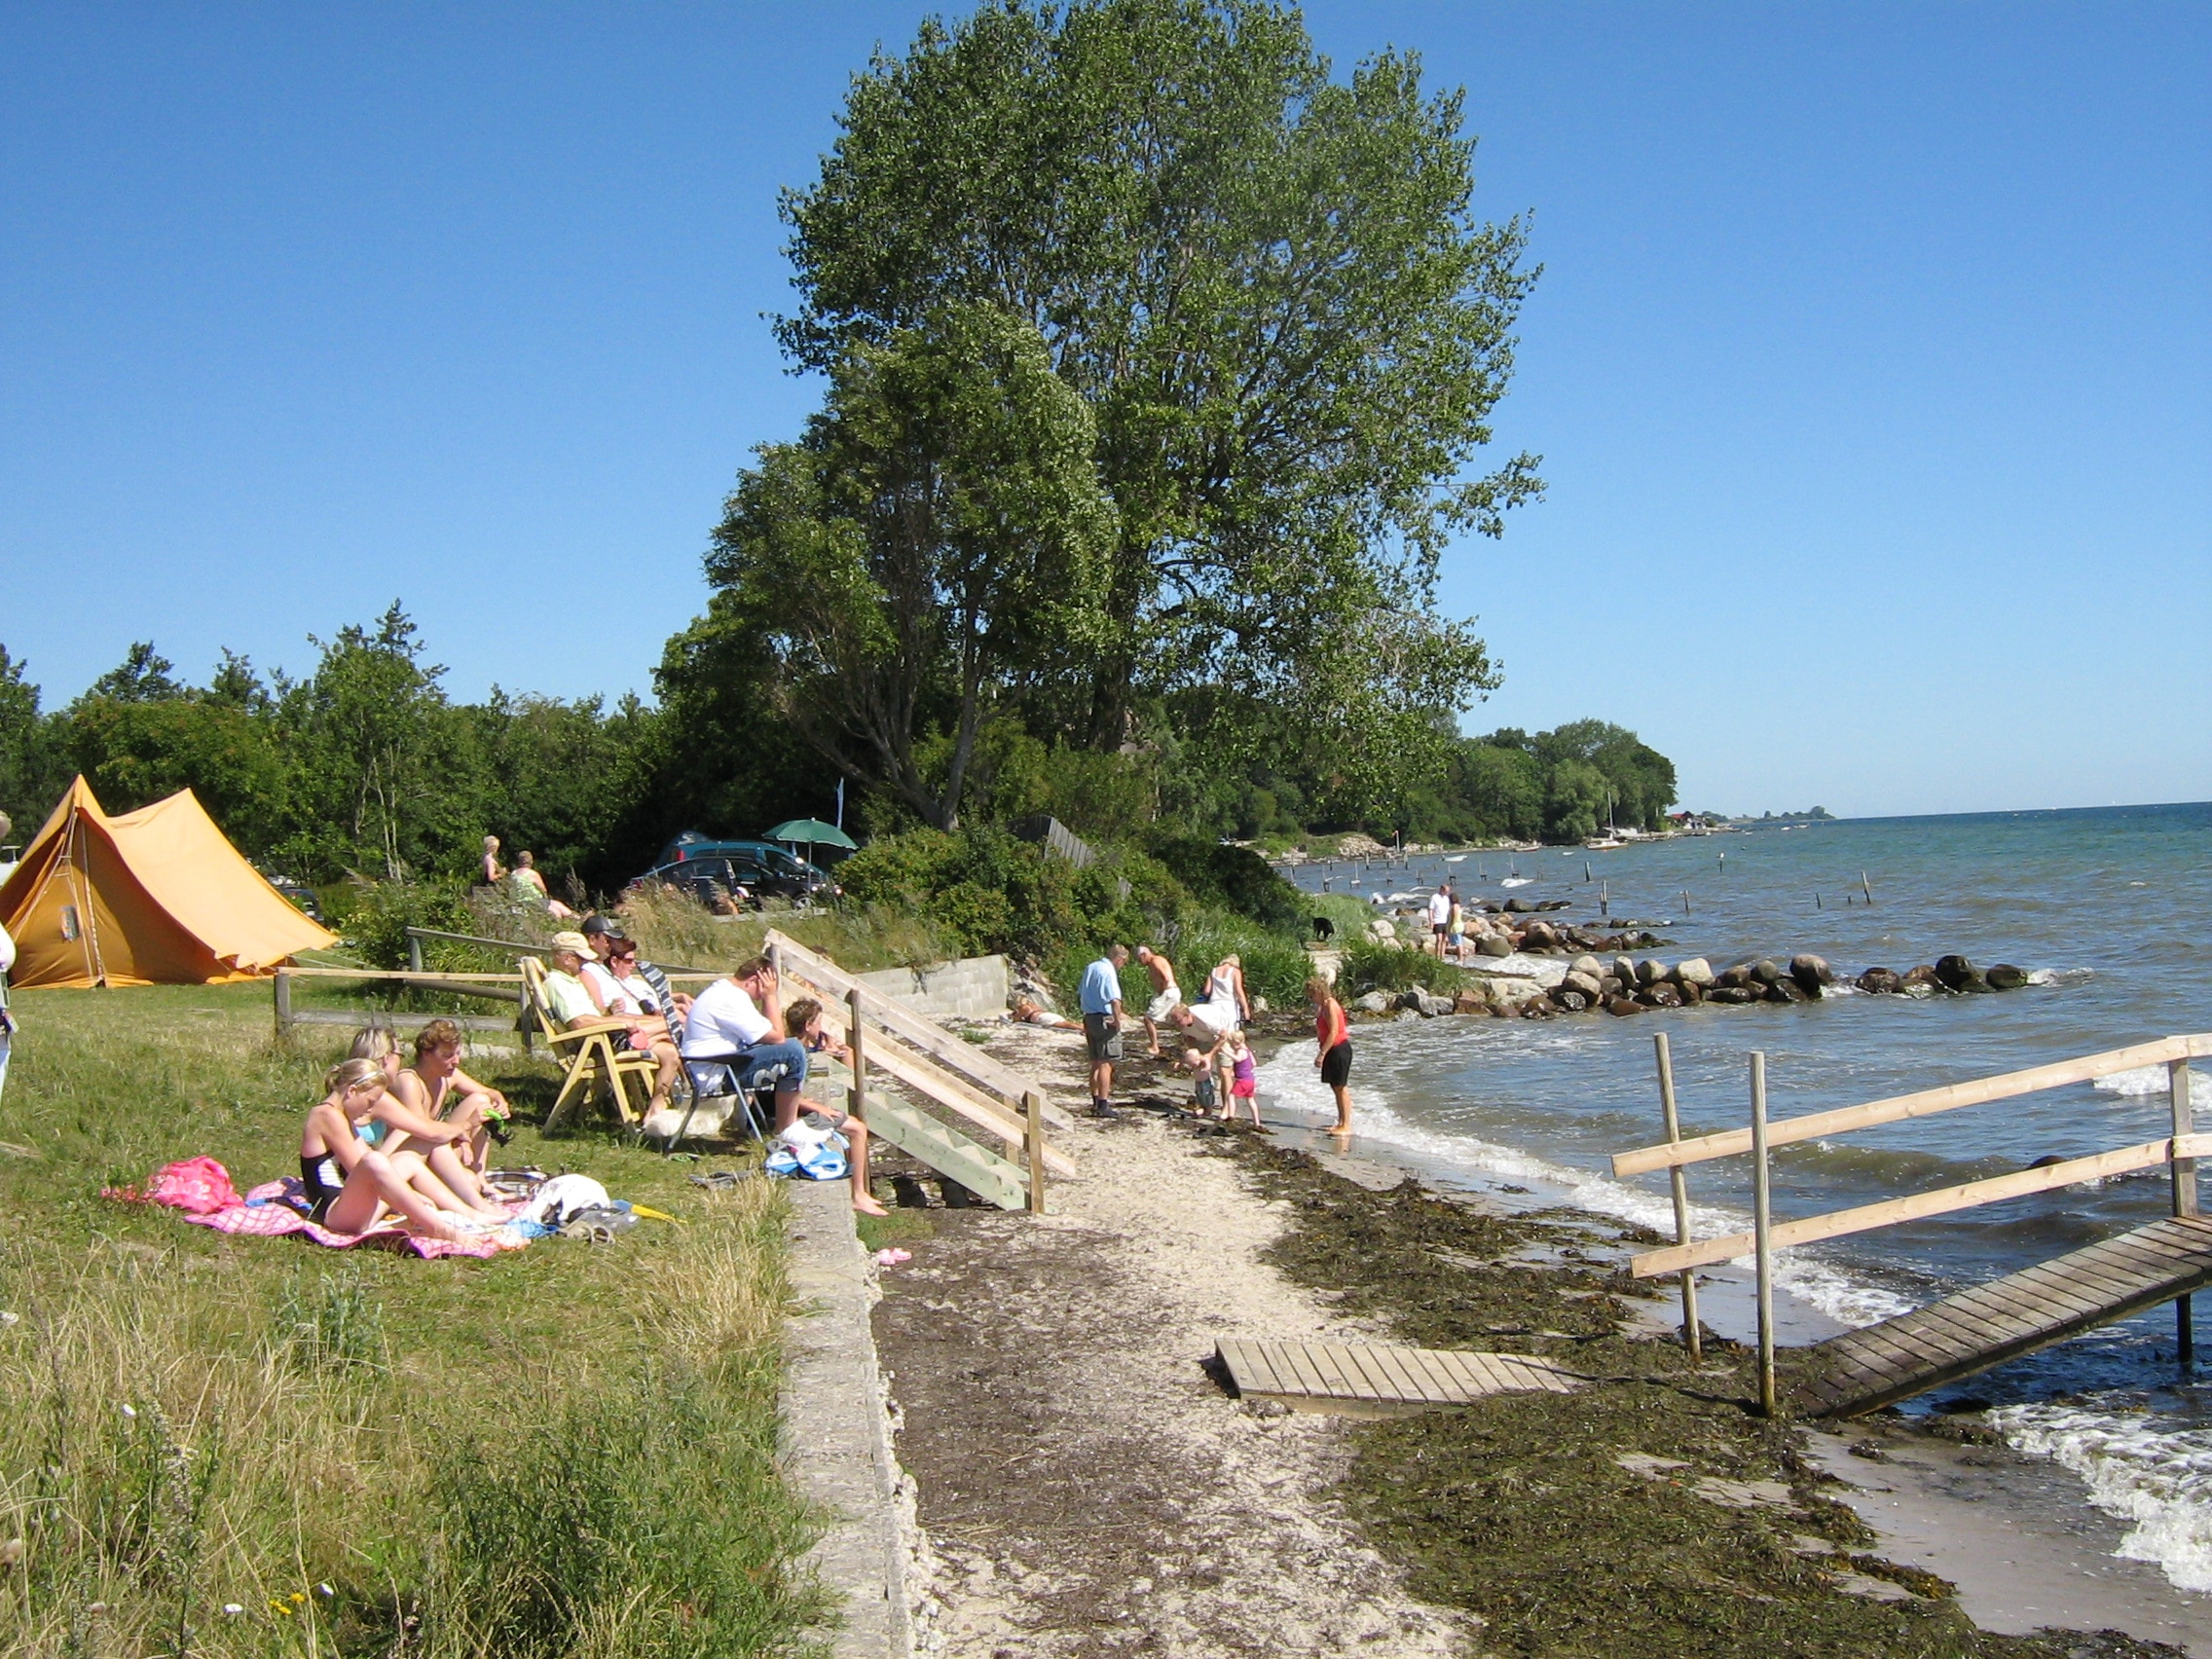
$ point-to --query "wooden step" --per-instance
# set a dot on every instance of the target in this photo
(1988, 1324)
(949, 1151)
(1381, 1379)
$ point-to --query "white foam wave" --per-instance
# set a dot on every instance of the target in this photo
(2153, 1079)
(2160, 1483)
(1290, 1077)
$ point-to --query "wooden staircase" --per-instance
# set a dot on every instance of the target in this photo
(887, 1036)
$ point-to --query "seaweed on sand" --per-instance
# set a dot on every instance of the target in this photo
(1651, 1513)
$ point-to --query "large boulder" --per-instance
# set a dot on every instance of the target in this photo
(1787, 990)
(1431, 1005)
(1811, 972)
(1610, 987)
(2004, 976)
(1922, 979)
(1693, 993)
(1381, 927)
(1623, 969)
(1538, 1008)
(1494, 944)
(1954, 971)
(1470, 1002)
(1661, 995)
(1624, 1007)
(1650, 971)
(1881, 982)
(1696, 970)
(1588, 985)
(1587, 965)
(1518, 908)
(1375, 1002)
(1539, 936)
(1733, 994)
(1568, 1002)
(1767, 971)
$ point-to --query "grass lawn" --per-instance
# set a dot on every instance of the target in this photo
(220, 1446)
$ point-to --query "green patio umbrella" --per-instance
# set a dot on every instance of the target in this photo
(814, 834)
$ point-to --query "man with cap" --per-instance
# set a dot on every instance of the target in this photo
(648, 1028)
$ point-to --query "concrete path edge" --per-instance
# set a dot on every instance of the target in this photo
(836, 1446)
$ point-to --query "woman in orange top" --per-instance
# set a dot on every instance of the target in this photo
(1332, 1048)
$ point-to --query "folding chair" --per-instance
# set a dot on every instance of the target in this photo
(716, 1079)
(591, 1055)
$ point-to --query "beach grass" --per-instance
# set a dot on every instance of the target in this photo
(1649, 1513)
(236, 1446)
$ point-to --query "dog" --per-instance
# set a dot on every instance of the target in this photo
(1324, 930)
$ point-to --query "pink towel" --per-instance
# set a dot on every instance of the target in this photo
(269, 1212)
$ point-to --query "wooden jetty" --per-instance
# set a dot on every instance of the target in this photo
(1381, 1379)
(1987, 1324)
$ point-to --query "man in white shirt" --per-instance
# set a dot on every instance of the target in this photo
(1440, 918)
(730, 1022)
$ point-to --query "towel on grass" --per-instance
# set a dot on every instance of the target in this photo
(202, 1189)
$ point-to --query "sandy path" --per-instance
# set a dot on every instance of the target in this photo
(1084, 1486)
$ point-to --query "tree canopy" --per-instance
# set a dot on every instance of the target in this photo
(1268, 288)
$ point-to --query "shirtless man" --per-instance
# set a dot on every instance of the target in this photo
(436, 1087)
(1164, 995)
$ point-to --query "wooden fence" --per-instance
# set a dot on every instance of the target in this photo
(2178, 1151)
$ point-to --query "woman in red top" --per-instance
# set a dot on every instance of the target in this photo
(1332, 1048)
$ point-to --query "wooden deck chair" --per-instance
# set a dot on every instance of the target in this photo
(593, 1055)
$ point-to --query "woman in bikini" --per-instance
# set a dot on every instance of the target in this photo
(349, 1178)
(435, 1086)
(1332, 1048)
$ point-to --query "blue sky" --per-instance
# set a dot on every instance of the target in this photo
(1871, 364)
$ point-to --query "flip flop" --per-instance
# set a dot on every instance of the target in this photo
(721, 1180)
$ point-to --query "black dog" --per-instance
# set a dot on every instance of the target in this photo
(1324, 930)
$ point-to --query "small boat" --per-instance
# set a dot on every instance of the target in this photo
(1457, 858)
(1602, 843)
(1517, 881)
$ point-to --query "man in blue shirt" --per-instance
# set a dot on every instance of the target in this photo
(1100, 998)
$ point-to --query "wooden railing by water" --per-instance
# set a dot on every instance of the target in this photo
(1959, 1335)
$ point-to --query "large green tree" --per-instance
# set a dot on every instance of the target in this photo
(1270, 288)
(934, 545)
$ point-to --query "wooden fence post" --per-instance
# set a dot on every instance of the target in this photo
(1762, 1229)
(1033, 1106)
(283, 992)
(2184, 1174)
(856, 1039)
(414, 950)
(1690, 1336)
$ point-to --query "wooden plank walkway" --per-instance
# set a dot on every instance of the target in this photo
(1381, 1379)
(1991, 1323)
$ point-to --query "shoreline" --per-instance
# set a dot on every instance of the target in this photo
(1068, 1353)
(2015, 1533)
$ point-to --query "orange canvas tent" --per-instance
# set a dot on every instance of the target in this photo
(157, 897)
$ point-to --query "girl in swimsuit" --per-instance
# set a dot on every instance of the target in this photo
(1244, 1077)
(1332, 1048)
(350, 1179)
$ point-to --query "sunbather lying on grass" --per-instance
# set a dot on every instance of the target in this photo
(352, 1180)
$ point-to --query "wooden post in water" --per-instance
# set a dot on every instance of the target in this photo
(1865, 888)
(855, 1039)
(1763, 1226)
(1691, 1337)
(1685, 901)
(1033, 1142)
(1605, 898)
(2184, 1172)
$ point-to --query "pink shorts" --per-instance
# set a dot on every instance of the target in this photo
(1245, 1087)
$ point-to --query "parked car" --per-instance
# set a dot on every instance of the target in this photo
(711, 875)
(769, 855)
(299, 893)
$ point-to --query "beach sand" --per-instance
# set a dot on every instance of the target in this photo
(1086, 1487)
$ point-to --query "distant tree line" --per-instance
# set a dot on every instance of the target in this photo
(1159, 365)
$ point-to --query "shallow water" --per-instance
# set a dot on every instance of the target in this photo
(2103, 903)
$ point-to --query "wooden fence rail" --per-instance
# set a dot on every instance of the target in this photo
(2178, 1151)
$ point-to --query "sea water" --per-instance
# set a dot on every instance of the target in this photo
(2105, 907)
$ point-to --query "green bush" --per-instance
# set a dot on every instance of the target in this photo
(995, 892)
(1233, 878)
(1373, 967)
(383, 910)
